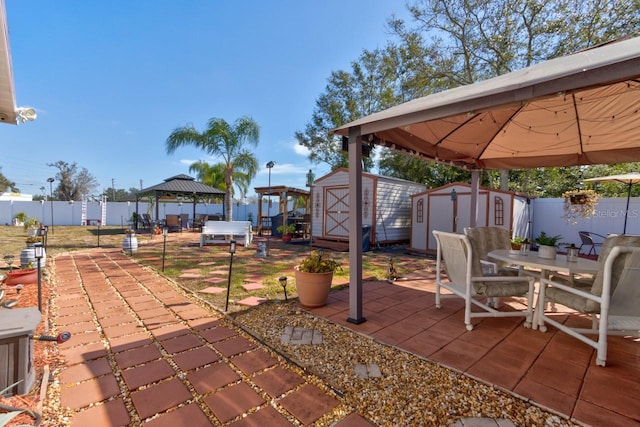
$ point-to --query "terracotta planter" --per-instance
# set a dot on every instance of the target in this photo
(286, 238)
(313, 288)
(24, 276)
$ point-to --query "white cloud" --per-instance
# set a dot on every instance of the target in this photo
(300, 150)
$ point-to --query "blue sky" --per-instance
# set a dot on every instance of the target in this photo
(110, 80)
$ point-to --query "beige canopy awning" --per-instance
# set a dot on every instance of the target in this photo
(579, 109)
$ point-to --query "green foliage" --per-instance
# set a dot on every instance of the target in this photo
(518, 240)
(31, 223)
(21, 217)
(72, 182)
(545, 240)
(229, 142)
(286, 229)
(315, 263)
(7, 185)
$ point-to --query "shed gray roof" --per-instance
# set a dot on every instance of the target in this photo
(181, 184)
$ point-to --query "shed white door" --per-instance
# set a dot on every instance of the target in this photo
(336, 218)
(453, 215)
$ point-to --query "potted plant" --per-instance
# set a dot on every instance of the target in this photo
(516, 242)
(547, 245)
(31, 241)
(22, 276)
(314, 275)
(31, 225)
(286, 231)
(579, 203)
(19, 219)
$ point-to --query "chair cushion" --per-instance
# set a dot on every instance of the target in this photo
(484, 240)
(501, 289)
(572, 301)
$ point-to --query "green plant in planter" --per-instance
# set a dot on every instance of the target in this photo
(286, 229)
(31, 223)
(21, 217)
(545, 240)
(315, 263)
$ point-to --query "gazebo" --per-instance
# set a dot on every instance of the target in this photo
(579, 109)
(179, 188)
(283, 192)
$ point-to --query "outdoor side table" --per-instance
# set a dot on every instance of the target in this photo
(17, 326)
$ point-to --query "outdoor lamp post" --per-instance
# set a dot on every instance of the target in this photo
(283, 283)
(165, 232)
(50, 181)
(311, 177)
(42, 233)
(270, 165)
(38, 249)
(232, 250)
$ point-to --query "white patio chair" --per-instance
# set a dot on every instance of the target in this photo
(613, 300)
(487, 239)
(466, 280)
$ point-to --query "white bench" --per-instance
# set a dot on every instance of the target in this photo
(223, 231)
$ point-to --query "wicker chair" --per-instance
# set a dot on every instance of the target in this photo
(487, 239)
(466, 280)
(612, 300)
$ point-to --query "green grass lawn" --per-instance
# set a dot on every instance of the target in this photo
(195, 268)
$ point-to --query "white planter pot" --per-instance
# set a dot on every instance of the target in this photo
(547, 252)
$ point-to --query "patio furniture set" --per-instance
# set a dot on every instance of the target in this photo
(481, 268)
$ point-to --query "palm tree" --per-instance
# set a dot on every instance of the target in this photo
(213, 175)
(220, 139)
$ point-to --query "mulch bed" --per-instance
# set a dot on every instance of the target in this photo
(42, 351)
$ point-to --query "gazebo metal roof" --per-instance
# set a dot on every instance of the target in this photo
(180, 185)
(179, 188)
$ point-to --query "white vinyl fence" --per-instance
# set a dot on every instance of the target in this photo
(543, 215)
(117, 213)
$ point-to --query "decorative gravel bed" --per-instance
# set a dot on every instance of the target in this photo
(410, 391)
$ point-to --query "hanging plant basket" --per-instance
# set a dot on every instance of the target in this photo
(579, 203)
(579, 199)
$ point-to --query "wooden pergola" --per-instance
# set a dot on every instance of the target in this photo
(283, 192)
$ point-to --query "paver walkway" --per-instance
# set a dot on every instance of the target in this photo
(144, 353)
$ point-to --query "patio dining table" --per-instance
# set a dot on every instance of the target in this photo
(542, 267)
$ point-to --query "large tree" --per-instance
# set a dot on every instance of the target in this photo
(226, 141)
(6, 184)
(73, 182)
(213, 175)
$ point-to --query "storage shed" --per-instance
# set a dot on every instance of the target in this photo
(386, 207)
(447, 208)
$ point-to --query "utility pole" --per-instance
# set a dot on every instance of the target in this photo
(113, 189)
